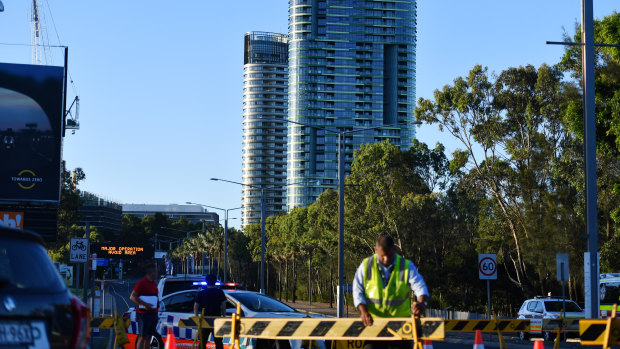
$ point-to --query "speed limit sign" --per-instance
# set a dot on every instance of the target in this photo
(487, 266)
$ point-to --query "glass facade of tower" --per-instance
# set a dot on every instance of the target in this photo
(351, 66)
(265, 87)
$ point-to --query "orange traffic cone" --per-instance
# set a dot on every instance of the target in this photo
(427, 344)
(171, 341)
(478, 344)
(539, 345)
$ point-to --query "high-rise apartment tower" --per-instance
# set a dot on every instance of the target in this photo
(351, 66)
(265, 88)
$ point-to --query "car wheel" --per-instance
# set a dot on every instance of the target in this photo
(548, 336)
(523, 336)
(157, 342)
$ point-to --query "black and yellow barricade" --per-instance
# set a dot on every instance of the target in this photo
(487, 325)
(117, 323)
(605, 332)
(195, 322)
(331, 329)
(562, 325)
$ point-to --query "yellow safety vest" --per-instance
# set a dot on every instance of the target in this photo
(392, 300)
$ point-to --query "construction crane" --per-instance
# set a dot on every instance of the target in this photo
(40, 48)
(41, 55)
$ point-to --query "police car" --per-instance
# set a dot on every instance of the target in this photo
(541, 308)
(180, 305)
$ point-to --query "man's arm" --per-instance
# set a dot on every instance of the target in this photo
(135, 297)
(359, 296)
(418, 285)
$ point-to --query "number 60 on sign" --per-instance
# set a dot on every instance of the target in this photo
(487, 266)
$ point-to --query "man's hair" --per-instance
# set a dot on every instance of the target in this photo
(150, 267)
(385, 242)
(211, 279)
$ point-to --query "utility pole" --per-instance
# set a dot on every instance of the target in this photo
(263, 218)
(589, 121)
(341, 174)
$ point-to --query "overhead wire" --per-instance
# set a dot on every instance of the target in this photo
(49, 8)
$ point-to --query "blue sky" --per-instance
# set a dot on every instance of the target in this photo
(161, 81)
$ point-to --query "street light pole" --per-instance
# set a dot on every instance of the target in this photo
(341, 174)
(589, 116)
(263, 218)
(226, 210)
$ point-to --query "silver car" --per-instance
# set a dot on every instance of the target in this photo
(540, 308)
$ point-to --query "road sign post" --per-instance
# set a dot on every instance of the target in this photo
(487, 270)
(561, 261)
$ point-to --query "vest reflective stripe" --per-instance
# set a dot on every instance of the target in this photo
(391, 299)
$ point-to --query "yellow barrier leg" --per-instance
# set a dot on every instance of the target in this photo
(236, 318)
(608, 328)
(556, 345)
(502, 343)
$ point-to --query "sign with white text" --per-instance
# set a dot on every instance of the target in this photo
(12, 220)
(31, 124)
(78, 250)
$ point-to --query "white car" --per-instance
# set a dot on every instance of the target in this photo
(180, 305)
(541, 308)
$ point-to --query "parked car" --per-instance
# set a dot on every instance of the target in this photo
(182, 282)
(610, 293)
(37, 310)
(180, 305)
(540, 308)
(176, 283)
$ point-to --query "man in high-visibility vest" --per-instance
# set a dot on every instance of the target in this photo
(382, 287)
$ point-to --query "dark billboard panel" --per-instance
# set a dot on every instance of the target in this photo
(41, 220)
(123, 251)
(31, 120)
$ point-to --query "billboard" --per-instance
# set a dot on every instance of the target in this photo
(41, 220)
(123, 251)
(31, 122)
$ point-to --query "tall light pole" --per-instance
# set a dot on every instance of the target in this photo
(226, 210)
(587, 39)
(591, 262)
(263, 218)
(341, 179)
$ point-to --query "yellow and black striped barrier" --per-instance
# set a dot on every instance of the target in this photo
(333, 329)
(562, 325)
(593, 332)
(605, 332)
(117, 323)
(487, 325)
(106, 322)
(195, 322)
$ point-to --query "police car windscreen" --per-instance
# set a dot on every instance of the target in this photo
(259, 303)
(556, 306)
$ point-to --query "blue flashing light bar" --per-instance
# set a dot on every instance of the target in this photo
(204, 283)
